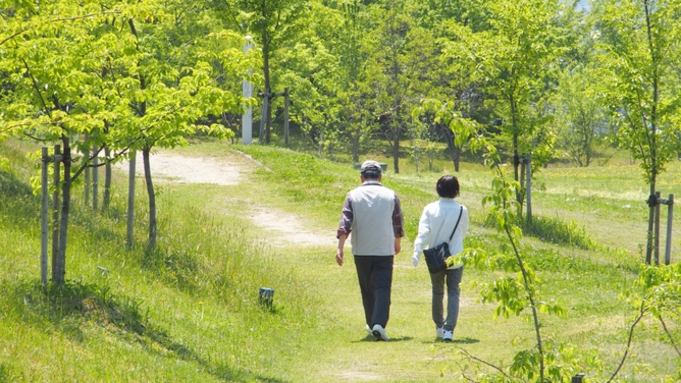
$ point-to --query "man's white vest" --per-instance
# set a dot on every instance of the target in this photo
(372, 225)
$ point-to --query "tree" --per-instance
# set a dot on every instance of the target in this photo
(169, 76)
(514, 59)
(400, 69)
(273, 22)
(639, 43)
(355, 94)
(581, 117)
(53, 59)
(75, 69)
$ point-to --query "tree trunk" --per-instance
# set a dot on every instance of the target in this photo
(355, 147)
(454, 151)
(106, 200)
(59, 270)
(396, 152)
(266, 72)
(457, 158)
(153, 230)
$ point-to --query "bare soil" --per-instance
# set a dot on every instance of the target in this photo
(285, 227)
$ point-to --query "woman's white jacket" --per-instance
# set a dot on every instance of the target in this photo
(436, 224)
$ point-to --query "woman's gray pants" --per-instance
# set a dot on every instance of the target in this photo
(453, 279)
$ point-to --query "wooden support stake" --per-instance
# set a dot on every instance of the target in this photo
(95, 179)
(670, 214)
(131, 200)
(44, 228)
(286, 104)
(55, 208)
(87, 177)
(657, 230)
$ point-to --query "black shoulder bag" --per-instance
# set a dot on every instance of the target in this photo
(436, 256)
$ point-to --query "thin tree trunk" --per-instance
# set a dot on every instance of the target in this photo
(653, 141)
(355, 147)
(59, 270)
(396, 152)
(266, 71)
(153, 230)
(454, 151)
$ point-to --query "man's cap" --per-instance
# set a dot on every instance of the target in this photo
(370, 166)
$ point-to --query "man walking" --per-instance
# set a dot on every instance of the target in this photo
(372, 213)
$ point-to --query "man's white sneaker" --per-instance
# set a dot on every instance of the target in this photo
(379, 332)
(448, 336)
(439, 332)
(369, 330)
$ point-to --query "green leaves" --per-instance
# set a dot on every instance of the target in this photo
(638, 48)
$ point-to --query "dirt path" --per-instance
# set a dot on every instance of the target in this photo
(286, 227)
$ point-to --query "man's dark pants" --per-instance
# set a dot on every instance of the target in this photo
(375, 274)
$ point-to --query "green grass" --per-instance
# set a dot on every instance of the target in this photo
(189, 311)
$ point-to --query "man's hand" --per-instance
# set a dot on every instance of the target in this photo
(398, 247)
(339, 257)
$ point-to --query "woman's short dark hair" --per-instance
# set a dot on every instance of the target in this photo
(447, 186)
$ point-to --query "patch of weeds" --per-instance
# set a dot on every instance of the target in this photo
(6, 375)
(77, 302)
(556, 231)
(177, 267)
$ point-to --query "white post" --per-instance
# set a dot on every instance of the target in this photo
(43, 221)
(247, 118)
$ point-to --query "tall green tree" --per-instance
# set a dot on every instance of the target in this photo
(639, 48)
(582, 119)
(52, 57)
(83, 77)
(357, 117)
(515, 58)
(400, 69)
(170, 75)
(272, 23)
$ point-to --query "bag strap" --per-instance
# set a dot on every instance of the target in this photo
(457, 224)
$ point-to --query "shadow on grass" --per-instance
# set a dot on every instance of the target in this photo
(553, 230)
(70, 307)
(18, 204)
(557, 231)
(370, 338)
(465, 340)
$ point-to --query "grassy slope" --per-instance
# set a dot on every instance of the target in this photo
(189, 312)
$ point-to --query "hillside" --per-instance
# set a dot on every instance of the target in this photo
(190, 312)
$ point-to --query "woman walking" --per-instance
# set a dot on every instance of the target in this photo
(444, 221)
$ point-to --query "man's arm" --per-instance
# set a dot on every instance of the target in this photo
(344, 228)
(339, 250)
